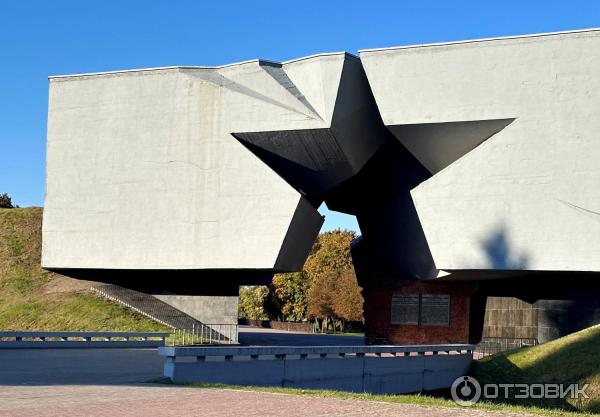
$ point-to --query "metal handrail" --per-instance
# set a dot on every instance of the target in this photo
(206, 334)
(492, 345)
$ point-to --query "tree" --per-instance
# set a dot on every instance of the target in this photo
(331, 252)
(325, 290)
(321, 296)
(333, 295)
(252, 301)
(5, 201)
(290, 294)
(348, 303)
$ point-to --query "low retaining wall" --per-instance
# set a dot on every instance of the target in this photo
(12, 340)
(374, 369)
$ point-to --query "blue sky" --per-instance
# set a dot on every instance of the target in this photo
(44, 38)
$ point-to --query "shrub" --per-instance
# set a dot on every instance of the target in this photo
(6, 201)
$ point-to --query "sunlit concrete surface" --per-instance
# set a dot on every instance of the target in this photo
(201, 168)
(509, 129)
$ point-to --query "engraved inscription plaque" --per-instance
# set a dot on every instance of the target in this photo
(405, 309)
(435, 309)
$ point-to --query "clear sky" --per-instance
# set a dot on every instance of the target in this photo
(41, 38)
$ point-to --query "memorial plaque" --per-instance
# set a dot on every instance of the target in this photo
(405, 309)
(435, 309)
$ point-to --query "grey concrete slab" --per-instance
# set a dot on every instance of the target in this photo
(240, 155)
(208, 309)
(116, 140)
(387, 375)
(375, 369)
(441, 372)
(254, 373)
(336, 374)
(518, 196)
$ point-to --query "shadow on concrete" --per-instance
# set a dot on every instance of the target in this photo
(499, 253)
(559, 317)
(566, 302)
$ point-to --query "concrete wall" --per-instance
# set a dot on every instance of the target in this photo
(201, 168)
(142, 173)
(78, 340)
(519, 193)
(335, 368)
(206, 309)
(544, 320)
(507, 317)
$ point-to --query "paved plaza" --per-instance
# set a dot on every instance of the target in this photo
(158, 400)
(114, 382)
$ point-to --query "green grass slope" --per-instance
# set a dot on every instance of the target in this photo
(34, 299)
(571, 359)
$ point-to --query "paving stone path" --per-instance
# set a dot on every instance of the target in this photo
(163, 400)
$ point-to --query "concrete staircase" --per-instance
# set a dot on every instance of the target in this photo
(155, 309)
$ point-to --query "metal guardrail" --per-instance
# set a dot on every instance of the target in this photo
(186, 329)
(147, 305)
(492, 345)
(81, 339)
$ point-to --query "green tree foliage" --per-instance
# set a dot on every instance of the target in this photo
(330, 254)
(334, 295)
(5, 201)
(288, 294)
(252, 301)
(348, 303)
(321, 297)
(325, 290)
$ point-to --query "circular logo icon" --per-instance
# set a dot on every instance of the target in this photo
(465, 391)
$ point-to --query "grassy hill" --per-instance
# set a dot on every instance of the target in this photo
(571, 359)
(34, 299)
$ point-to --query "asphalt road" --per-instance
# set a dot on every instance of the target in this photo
(78, 366)
(269, 337)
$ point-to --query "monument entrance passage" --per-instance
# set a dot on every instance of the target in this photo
(471, 168)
